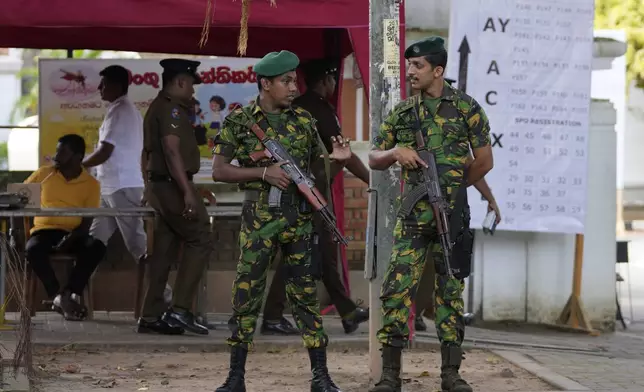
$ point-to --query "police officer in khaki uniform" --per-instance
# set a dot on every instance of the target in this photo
(170, 159)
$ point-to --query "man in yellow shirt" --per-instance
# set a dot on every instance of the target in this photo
(66, 184)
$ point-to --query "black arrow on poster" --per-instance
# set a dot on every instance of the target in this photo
(464, 51)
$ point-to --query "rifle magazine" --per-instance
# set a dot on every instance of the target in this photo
(410, 199)
(274, 197)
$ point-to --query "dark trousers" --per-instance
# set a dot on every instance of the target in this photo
(170, 231)
(88, 252)
(276, 299)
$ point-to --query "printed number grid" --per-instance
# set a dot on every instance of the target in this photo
(529, 68)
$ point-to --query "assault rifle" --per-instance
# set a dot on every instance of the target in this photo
(430, 188)
(274, 150)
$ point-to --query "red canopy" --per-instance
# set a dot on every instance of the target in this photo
(310, 28)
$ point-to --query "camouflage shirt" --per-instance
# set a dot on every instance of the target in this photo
(298, 135)
(457, 123)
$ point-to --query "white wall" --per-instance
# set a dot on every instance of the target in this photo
(609, 82)
(23, 146)
(634, 139)
(528, 276)
(9, 85)
(424, 14)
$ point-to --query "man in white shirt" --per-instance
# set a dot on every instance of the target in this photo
(117, 159)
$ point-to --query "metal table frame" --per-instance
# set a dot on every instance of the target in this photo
(144, 212)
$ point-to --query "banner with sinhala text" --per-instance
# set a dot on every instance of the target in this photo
(70, 101)
(529, 63)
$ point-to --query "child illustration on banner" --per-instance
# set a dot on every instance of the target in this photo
(213, 119)
(68, 107)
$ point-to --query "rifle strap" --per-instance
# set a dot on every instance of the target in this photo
(417, 124)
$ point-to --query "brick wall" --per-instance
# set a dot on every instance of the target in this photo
(356, 201)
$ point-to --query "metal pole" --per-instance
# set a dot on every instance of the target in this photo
(384, 94)
(3, 274)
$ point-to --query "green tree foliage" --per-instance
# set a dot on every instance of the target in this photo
(4, 156)
(27, 105)
(627, 15)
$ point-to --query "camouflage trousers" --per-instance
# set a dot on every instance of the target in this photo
(411, 244)
(262, 233)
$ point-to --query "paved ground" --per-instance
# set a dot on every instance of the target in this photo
(609, 362)
(633, 302)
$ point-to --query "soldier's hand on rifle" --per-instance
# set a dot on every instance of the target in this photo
(408, 158)
(275, 176)
(341, 149)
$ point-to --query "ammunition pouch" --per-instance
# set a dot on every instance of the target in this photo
(462, 236)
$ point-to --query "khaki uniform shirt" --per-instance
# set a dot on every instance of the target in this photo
(169, 116)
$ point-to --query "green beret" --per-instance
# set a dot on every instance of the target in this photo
(425, 47)
(275, 63)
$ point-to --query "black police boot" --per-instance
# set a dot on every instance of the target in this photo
(390, 380)
(451, 363)
(321, 381)
(235, 381)
(351, 322)
(278, 327)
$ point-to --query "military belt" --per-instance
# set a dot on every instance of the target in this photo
(288, 198)
(157, 177)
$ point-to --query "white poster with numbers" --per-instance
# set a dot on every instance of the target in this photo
(528, 63)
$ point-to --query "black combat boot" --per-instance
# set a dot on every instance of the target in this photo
(321, 381)
(390, 380)
(235, 381)
(451, 380)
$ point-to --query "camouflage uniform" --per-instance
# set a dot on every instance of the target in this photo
(451, 124)
(457, 123)
(262, 231)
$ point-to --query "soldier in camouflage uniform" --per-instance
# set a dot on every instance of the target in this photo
(452, 122)
(289, 227)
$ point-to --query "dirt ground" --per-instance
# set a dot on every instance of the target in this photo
(272, 371)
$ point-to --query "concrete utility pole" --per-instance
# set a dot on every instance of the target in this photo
(384, 93)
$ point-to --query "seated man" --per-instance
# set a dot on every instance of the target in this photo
(65, 185)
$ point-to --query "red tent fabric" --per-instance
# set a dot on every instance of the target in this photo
(310, 28)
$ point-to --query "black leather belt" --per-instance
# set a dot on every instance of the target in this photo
(156, 177)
